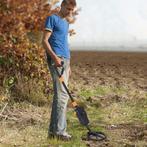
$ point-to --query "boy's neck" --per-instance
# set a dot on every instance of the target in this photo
(61, 14)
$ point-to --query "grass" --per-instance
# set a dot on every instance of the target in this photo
(31, 127)
(118, 113)
(98, 91)
(102, 91)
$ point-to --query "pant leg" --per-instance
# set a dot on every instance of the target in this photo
(63, 100)
(60, 99)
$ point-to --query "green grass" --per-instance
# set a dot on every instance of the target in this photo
(98, 91)
(119, 90)
(102, 91)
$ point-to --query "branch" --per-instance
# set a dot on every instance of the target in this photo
(4, 108)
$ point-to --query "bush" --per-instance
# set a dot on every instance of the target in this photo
(21, 52)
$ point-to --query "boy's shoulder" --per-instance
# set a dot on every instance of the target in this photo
(53, 16)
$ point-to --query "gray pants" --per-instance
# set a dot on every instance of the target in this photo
(60, 99)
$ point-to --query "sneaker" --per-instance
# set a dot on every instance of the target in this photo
(65, 136)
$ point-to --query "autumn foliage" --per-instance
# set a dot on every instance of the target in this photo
(21, 51)
(20, 18)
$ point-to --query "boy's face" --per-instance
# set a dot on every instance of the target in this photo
(67, 10)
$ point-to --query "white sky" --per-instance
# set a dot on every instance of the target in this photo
(111, 23)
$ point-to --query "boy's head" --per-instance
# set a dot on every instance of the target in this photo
(69, 2)
(67, 7)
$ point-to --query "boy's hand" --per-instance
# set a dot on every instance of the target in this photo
(72, 32)
(58, 62)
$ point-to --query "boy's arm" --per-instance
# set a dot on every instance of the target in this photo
(47, 46)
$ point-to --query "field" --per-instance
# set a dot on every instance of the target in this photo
(116, 83)
(112, 86)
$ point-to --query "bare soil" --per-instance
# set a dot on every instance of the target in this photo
(107, 68)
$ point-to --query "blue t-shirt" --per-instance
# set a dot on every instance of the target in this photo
(59, 37)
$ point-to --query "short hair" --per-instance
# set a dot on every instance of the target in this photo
(69, 2)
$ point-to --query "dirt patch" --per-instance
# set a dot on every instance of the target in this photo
(130, 131)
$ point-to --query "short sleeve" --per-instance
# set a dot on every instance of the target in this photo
(49, 24)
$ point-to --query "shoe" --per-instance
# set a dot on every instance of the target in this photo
(64, 137)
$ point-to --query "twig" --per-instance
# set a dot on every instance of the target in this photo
(4, 108)
(6, 117)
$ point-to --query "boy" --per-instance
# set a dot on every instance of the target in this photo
(55, 41)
